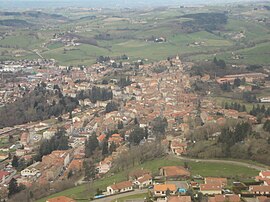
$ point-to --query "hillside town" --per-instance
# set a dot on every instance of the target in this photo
(156, 98)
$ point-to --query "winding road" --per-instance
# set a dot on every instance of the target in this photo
(114, 197)
(249, 165)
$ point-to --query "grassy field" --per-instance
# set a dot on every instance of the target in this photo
(129, 32)
(200, 168)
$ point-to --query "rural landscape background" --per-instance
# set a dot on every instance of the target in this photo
(120, 100)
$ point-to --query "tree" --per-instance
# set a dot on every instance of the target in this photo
(13, 187)
(136, 135)
(266, 126)
(15, 161)
(111, 106)
(91, 145)
(90, 170)
(10, 138)
(70, 174)
(120, 125)
(112, 148)
(237, 82)
(159, 125)
(105, 149)
(168, 192)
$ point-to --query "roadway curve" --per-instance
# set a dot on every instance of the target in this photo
(117, 196)
(249, 165)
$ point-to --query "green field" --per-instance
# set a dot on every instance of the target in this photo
(129, 33)
(200, 168)
(135, 196)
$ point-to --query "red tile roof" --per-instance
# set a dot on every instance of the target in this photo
(223, 198)
(3, 173)
(165, 187)
(179, 199)
(145, 178)
(215, 180)
(258, 188)
(101, 137)
(121, 185)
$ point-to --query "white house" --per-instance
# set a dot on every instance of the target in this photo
(143, 181)
(211, 189)
(48, 134)
(120, 187)
(30, 172)
(260, 190)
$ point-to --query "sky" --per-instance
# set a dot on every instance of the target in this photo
(7, 4)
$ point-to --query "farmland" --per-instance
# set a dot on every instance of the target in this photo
(132, 32)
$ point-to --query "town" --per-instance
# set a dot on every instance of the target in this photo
(77, 125)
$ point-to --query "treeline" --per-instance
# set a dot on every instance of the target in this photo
(96, 94)
(14, 23)
(137, 135)
(205, 21)
(238, 141)
(111, 106)
(235, 106)
(260, 110)
(257, 110)
(58, 142)
(220, 63)
(230, 137)
(249, 97)
(94, 148)
(35, 106)
(102, 59)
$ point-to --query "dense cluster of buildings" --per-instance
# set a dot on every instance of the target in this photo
(166, 94)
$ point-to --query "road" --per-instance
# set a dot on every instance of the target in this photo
(249, 165)
(111, 198)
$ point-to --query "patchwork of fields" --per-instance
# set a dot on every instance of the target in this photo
(132, 33)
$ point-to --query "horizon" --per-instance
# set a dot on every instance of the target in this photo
(35, 4)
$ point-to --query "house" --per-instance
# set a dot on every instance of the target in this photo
(262, 199)
(267, 182)
(178, 147)
(57, 155)
(76, 165)
(215, 180)
(265, 174)
(260, 190)
(162, 190)
(104, 166)
(60, 199)
(224, 198)
(25, 139)
(120, 187)
(179, 199)
(144, 181)
(3, 176)
(211, 189)
(174, 172)
(116, 139)
(48, 134)
(101, 138)
(29, 172)
(134, 175)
